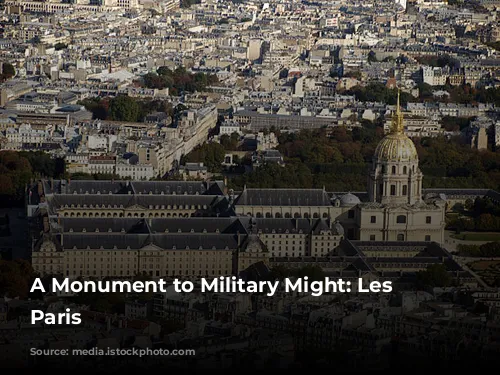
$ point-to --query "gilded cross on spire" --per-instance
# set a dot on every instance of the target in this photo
(397, 119)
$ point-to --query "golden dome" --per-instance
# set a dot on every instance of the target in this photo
(396, 146)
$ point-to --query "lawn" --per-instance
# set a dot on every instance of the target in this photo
(483, 265)
(477, 236)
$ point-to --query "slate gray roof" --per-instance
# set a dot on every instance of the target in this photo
(177, 241)
(283, 197)
(194, 224)
(133, 187)
(105, 225)
(232, 224)
(125, 201)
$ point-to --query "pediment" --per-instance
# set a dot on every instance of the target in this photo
(136, 207)
(151, 247)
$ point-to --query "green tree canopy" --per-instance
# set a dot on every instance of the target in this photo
(210, 154)
(124, 108)
(435, 275)
(16, 278)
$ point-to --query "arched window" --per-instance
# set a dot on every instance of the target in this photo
(296, 215)
(277, 215)
(259, 215)
(287, 215)
(401, 237)
(316, 215)
(401, 219)
(269, 215)
(393, 169)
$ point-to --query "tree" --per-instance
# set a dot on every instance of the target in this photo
(435, 275)
(60, 46)
(16, 277)
(8, 70)
(98, 106)
(372, 57)
(15, 173)
(188, 3)
(210, 154)
(279, 273)
(43, 164)
(314, 273)
(124, 108)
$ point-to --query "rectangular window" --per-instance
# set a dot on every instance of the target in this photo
(428, 219)
(405, 190)
(350, 214)
(393, 189)
(372, 237)
(373, 219)
(427, 238)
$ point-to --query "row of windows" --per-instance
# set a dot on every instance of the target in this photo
(400, 237)
(401, 219)
(394, 170)
(115, 214)
(287, 215)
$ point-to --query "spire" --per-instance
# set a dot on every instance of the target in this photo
(397, 119)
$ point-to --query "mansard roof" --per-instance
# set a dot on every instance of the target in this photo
(167, 241)
(133, 187)
(126, 201)
(230, 224)
(283, 197)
